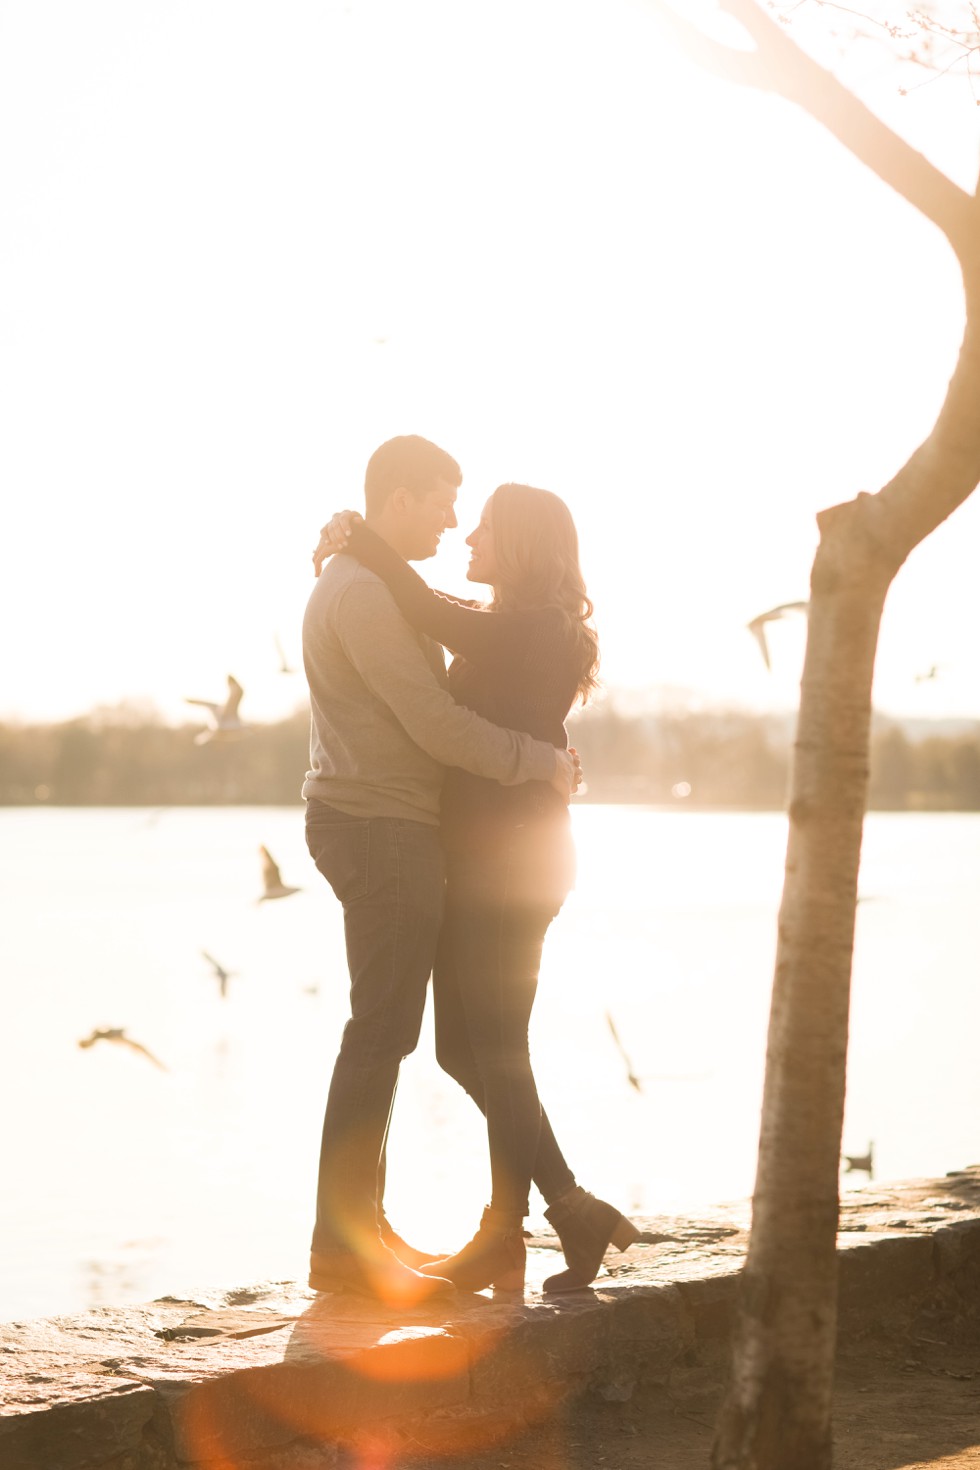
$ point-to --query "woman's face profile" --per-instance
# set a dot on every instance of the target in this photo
(483, 559)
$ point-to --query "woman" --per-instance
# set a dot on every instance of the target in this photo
(522, 662)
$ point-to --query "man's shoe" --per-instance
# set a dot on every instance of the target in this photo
(379, 1276)
(406, 1253)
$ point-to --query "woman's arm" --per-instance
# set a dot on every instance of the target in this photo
(334, 537)
(473, 631)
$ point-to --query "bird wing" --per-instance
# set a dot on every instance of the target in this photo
(235, 692)
(284, 667)
(207, 704)
(104, 1033)
(219, 970)
(613, 1032)
(788, 607)
(631, 1076)
(145, 1051)
(270, 870)
(757, 628)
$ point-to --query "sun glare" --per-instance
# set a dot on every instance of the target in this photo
(575, 261)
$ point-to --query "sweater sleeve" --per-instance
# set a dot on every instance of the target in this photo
(390, 661)
(479, 635)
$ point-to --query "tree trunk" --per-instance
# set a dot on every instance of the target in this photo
(777, 1412)
(776, 1415)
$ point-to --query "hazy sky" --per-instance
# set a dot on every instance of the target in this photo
(241, 244)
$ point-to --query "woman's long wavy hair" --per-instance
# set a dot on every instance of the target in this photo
(536, 549)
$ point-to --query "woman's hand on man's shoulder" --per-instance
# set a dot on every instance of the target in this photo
(334, 537)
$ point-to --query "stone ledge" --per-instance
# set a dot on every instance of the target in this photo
(275, 1377)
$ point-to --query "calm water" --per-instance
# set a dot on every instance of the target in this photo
(122, 1181)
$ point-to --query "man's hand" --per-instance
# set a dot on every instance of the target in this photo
(568, 773)
(334, 537)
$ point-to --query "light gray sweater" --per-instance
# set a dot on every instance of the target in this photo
(384, 725)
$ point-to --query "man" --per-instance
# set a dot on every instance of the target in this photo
(384, 727)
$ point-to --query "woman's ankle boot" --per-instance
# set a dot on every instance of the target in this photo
(586, 1227)
(496, 1256)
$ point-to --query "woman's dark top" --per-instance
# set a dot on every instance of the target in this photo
(518, 669)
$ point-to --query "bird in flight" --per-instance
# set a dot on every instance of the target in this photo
(757, 627)
(931, 673)
(226, 723)
(285, 667)
(631, 1076)
(274, 886)
(220, 973)
(118, 1035)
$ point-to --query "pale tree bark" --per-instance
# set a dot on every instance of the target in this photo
(776, 1414)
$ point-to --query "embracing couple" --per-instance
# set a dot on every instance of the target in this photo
(437, 810)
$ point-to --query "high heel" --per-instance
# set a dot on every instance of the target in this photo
(625, 1234)
(496, 1256)
(586, 1227)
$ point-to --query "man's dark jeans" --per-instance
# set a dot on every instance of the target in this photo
(388, 874)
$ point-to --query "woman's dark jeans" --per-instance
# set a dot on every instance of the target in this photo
(388, 874)
(498, 909)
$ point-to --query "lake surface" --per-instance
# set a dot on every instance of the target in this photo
(122, 1181)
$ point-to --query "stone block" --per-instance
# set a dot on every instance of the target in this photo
(268, 1378)
(957, 1248)
(123, 1425)
(879, 1268)
(710, 1303)
(241, 1415)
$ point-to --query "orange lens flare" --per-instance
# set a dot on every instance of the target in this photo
(398, 1389)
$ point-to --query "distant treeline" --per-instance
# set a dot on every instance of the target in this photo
(118, 758)
(737, 759)
(721, 759)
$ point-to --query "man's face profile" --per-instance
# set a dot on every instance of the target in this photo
(426, 517)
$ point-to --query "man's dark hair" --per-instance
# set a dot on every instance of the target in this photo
(411, 461)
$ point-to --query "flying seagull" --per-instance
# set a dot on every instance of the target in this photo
(631, 1076)
(285, 667)
(225, 721)
(637, 1082)
(757, 627)
(117, 1034)
(274, 886)
(221, 974)
(930, 673)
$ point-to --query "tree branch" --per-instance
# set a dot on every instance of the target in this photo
(778, 64)
(745, 67)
